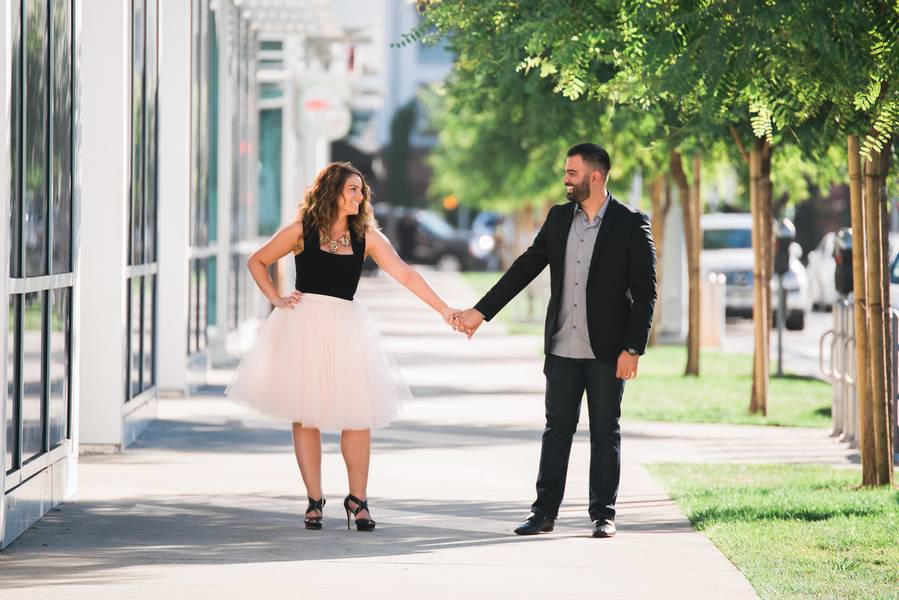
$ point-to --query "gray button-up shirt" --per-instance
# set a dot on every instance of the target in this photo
(571, 338)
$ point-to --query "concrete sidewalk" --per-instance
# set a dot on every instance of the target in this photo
(209, 501)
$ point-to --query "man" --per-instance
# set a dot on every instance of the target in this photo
(603, 289)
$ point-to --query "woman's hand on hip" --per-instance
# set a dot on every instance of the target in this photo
(288, 301)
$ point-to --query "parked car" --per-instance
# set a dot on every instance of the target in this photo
(484, 229)
(422, 237)
(821, 266)
(727, 249)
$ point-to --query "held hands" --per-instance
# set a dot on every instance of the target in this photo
(450, 315)
(468, 321)
(288, 301)
(627, 366)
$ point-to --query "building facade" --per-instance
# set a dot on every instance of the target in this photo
(140, 165)
(39, 195)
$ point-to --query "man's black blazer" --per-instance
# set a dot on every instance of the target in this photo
(621, 285)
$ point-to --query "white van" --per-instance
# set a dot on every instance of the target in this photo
(727, 249)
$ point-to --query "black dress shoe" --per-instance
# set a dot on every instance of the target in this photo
(536, 523)
(604, 528)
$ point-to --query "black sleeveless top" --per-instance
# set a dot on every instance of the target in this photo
(322, 272)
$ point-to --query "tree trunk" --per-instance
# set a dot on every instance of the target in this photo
(760, 311)
(888, 341)
(875, 274)
(660, 196)
(860, 310)
(691, 235)
(766, 201)
(695, 273)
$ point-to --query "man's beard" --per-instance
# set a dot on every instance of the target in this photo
(579, 192)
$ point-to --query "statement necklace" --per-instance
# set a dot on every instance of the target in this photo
(343, 240)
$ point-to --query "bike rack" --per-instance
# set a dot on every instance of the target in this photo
(839, 367)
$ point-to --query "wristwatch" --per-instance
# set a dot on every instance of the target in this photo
(632, 352)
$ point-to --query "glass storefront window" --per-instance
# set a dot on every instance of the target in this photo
(39, 351)
(143, 217)
(149, 333)
(15, 212)
(204, 186)
(61, 208)
(59, 355)
(36, 123)
(213, 129)
(12, 386)
(211, 296)
(138, 33)
(151, 85)
(269, 171)
(134, 345)
(32, 376)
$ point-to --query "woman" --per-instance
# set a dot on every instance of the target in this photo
(317, 360)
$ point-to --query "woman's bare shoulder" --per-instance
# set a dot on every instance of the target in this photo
(374, 234)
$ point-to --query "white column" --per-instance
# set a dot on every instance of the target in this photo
(291, 190)
(104, 98)
(72, 483)
(218, 338)
(673, 300)
(174, 193)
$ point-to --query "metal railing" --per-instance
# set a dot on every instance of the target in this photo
(837, 362)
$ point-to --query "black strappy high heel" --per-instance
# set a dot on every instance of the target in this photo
(361, 524)
(314, 522)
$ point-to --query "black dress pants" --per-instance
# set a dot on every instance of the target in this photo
(566, 381)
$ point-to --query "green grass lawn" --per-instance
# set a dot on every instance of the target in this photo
(719, 395)
(794, 531)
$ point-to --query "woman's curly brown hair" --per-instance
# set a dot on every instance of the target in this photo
(320, 205)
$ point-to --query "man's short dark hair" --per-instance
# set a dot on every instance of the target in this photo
(594, 155)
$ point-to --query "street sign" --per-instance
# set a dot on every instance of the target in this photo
(323, 109)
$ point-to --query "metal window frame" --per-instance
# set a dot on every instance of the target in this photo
(203, 245)
(146, 266)
(40, 284)
(17, 379)
(36, 465)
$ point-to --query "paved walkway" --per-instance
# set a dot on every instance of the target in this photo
(208, 502)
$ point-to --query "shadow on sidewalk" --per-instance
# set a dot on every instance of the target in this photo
(423, 392)
(188, 530)
(107, 537)
(232, 436)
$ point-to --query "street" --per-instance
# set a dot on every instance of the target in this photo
(800, 347)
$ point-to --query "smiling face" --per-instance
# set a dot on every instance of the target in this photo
(580, 179)
(339, 192)
(351, 198)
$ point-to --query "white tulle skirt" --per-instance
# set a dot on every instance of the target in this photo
(323, 364)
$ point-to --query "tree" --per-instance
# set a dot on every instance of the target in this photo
(840, 68)
(784, 75)
(495, 38)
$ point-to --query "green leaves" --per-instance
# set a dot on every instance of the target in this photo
(666, 74)
(761, 120)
